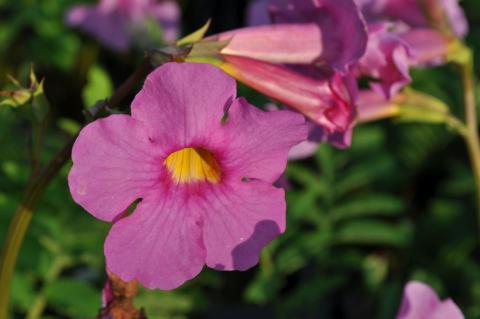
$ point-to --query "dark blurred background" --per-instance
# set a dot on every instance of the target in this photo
(398, 205)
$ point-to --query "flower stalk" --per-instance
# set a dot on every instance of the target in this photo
(471, 137)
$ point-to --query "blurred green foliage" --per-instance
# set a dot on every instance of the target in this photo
(398, 205)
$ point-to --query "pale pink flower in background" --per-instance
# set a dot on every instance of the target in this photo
(116, 23)
(201, 160)
(421, 302)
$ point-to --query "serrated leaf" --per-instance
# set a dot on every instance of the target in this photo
(74, 298)
(366, 206)
(22, 291)
(374, 232)
(263, 288)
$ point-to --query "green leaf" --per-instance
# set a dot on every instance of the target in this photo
(74, 298)
(69, 126)
(164, 304)
(263, 288)
(207, 50)
(22, 291)
(368, 205)
(374, 232)
(99, 86)
(194, 36)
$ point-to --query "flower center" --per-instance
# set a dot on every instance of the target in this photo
(193, 165)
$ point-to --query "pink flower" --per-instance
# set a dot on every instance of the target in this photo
(202, 162)
(387, 60)
(421, 302)
(116, 22)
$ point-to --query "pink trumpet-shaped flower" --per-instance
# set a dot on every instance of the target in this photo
(421, 302)
(116, 22)
(202, 162)
(302, 60)
(327, 102)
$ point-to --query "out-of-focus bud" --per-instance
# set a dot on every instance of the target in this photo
(32, 95)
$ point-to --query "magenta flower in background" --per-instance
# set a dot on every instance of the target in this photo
(116, 23)
(428, 27)
(444, 15)
(421, 302)
(257, 12)
(202, 162)
(386, 60)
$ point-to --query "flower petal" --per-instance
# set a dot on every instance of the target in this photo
(240, 219)
(183, 104)
(113, 164)
(257, 12)
(447, 310)
(387, 60)
(268, 43)
(428, 46)
(343, 32)
(167, 13)
(455, 15)
(109, 27)
(306, 95)
(258, 142)
(420, 301)
(159, 244)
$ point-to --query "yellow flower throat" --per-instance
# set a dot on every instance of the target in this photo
(193, 165)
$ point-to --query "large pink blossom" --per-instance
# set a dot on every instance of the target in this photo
(421, 302)
(117, 22)
(202, 162)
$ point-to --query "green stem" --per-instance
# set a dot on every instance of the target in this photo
(38, 184)
(471, 136)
